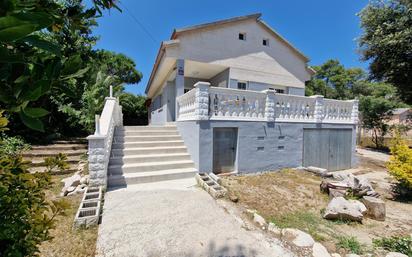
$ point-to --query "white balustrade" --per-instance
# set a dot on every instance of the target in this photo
(215, 103)
(337, 110)
(294, 108)
(234, 104)
(187, 105)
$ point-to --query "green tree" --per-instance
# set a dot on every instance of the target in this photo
(134, 109)
(386, 42)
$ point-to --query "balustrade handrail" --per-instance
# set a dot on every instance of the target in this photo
(236, 104)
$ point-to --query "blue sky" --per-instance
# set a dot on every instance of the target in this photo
(321, 29)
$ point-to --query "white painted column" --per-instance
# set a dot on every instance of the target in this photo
(97, 160)
(355, 111)
(270, 105)
(179, 83)
(202, 100)
(318, 113)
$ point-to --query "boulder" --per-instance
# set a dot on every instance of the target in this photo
(395, 254)
(340, 208)
(376, 207)
(352, 255)
(72, 180)
(71, 189)
(335, 255)
(319, 250)
(259, 220)
(300, 242)
(336, 193)
(361, 207)
(274, 229)
(318, 171)
(84, 180)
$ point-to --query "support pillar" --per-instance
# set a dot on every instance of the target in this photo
(179, 83)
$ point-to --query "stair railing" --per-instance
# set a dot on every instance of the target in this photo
(100, 143)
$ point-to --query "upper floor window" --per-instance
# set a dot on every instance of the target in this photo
(277, 90)
(265, 42)
(241, 85)
(242, 36)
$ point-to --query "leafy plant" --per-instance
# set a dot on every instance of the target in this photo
(395, 244)
(349, 243)
(25, 214)
(12, 146)
(400, 162)
(56, 163)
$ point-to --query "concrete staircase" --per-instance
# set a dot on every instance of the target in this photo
(144, 154)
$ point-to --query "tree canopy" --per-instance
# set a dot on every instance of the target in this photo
(386, 43)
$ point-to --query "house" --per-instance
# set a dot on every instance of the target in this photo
(400, 116)
(235, 89)
(226, 96)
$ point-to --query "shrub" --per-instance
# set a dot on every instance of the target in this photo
(349, 243)
(25, 214)
(395, 244)
(56, 163)
(12, 146)
(400, 163)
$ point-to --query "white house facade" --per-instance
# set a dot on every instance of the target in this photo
(232, 94)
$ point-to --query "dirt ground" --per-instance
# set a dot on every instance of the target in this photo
(67, 242)
(291, 198)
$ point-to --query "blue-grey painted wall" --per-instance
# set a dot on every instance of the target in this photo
(261, 146)
(221, 79)
(296, 91)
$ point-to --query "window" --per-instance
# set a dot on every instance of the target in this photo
(265, 42)
(242, 36)
(280, 91)
(241, 85)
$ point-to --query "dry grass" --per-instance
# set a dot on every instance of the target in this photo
(66, 241)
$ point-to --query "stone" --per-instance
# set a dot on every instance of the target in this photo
(297, 239)
(233, 197)
(318, 171)
(84, 180)
(259, 220)
(336, 193)
(395, 254)
(335, 255)
(340, 208)
(71, 189)
(274, 229)
(361, 207)
(376, 207)
(352, 255)
(72, 180)
(318, 250)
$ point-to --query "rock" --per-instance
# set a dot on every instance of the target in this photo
(336, 193)
(352, 255)
(79, 190)
(319, 250)
(233, 197)
(297, 239)
(340, 208)
(395, 254)
(376, 207)
(72, 180)
(335, 255)
(259, 220)
(71, 189)
(318, 171)
(361, 207)
(84, 180)
(274, 229)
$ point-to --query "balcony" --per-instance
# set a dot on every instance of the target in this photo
(213, 103)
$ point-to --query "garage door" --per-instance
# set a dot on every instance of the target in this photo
(327, 148)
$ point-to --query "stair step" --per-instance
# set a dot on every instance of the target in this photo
(147, 128)
(147, 177)
(127, 145)
(39, 161)
(148, 150)
(59, 147)
(48, 153)
(149, 166)
(142, 158)
(119, 139)
(146, 133)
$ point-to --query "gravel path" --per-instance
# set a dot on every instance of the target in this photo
(176, 219)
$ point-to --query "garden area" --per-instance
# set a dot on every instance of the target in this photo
(292, 199)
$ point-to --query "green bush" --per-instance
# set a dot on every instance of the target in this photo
(349, 243)
(25, 214)
(395, 244)
(56, 163)
(12, 146)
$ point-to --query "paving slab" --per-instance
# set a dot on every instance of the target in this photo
(176, 218)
